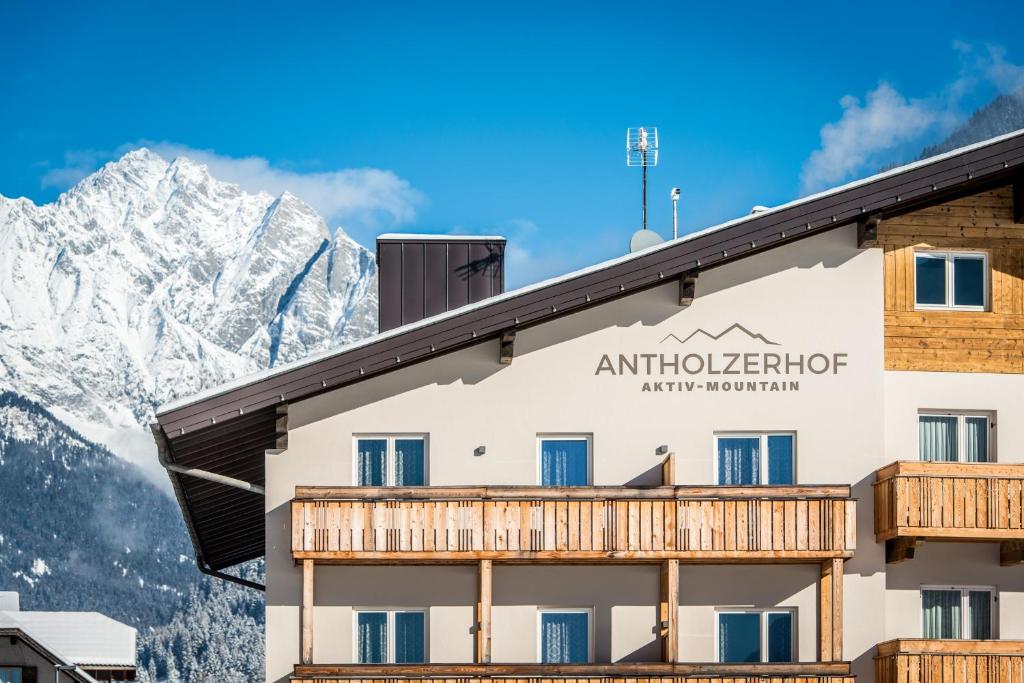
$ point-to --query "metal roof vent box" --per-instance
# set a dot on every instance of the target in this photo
(419, 276)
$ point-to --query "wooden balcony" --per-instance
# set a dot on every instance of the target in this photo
(831, 672)
(917, 501)
(950, 661)
(584, 524)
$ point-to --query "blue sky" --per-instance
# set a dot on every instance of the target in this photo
(506, 117)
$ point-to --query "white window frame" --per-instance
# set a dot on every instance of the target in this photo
(575, 436)
(965, 620)
(949, 255)
(763, 450)
(390, 611)
(961, 432)
(390, 462)
(589, 611)
(794, 654)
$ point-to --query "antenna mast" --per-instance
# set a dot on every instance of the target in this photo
(642, 150)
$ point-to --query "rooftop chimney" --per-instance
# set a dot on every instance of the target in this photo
(9, 601)
(419, 276)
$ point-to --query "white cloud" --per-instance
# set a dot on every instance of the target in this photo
(370, 197)
(884, 121)
(868, 135)
(1006, 76)
(78, 163)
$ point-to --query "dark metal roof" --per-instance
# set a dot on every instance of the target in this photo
(229, 431)
(420, 277)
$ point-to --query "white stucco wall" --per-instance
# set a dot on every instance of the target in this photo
(820, 295)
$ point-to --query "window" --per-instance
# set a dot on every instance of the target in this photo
(564, 636)
(391, 461)
(945, 279)
(756, 635)
(957, 612)
(395, 636)
(564, 460)
(755, 458)
(10, 674)
(954, 437)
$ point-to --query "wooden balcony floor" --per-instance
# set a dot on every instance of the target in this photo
(657, 672)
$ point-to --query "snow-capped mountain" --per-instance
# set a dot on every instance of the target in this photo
(150, 279)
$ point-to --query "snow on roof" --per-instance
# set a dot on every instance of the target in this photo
(82, 638)
(329, 353)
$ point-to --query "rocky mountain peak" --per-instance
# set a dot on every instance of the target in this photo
(150, 279)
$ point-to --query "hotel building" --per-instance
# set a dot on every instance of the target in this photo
(786, 448)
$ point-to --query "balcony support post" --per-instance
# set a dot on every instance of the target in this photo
(830, 611)
(668, 470)
(485, 572)
(307, 612)
(668, 611)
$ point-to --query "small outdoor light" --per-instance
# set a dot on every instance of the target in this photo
(479, 450)
(661, 450)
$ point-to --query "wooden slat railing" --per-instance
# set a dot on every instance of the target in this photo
(955, 661)
(952, 501)
(812, 672)
(713, 524)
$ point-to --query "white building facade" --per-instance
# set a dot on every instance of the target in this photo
(802, 459)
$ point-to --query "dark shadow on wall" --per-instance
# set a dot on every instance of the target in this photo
(868, 560)
(651, 477)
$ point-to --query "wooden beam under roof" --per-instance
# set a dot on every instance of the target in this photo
(506, 347)
(1011, 553)
(687, 289)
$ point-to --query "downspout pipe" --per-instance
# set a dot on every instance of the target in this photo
(165, 462)
(208, 476)
(228, 577)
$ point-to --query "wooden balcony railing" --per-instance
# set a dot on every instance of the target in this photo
(535, 524)
(830, 672)
(955, 661)
(917, 501)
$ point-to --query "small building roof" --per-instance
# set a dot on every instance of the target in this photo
(11, 626)
(83, 638)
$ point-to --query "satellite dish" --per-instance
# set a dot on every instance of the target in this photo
(644, 238)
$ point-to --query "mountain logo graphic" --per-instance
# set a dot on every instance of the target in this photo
(715, 337)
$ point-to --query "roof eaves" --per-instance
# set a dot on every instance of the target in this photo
(255, 378)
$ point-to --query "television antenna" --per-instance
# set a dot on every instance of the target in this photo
(642, 151)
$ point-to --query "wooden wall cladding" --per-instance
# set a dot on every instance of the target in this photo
(956, 341)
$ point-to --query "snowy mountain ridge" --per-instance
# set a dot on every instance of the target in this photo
(151, 279)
